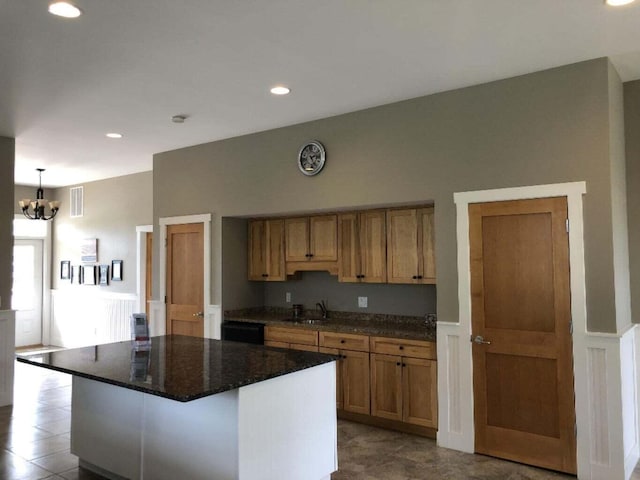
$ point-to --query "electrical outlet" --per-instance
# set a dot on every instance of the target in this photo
(287, 297)
(362, 302)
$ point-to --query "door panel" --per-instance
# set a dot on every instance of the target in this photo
(185, 279)
(297, 239)
(386, 386)
(323, 238)
(419, 395)
(348, 253)
(355, 375)
(402, 246)
(523, 379)
(26, 297)
(373, 246)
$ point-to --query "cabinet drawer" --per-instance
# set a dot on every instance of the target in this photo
(291, 335)
(344, 341)
(406, 348)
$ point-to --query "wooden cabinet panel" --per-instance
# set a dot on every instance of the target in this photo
(272, 343)
(410, 246)
(356, 388)
(266, 250)
(297, 239)
(386, 386)
(291, 335)
(419, 392)
(362, 253)
(344, 341)
(398, 346)
(323, 238)
(305, 348)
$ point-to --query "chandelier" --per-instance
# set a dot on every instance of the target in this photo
(37, 205)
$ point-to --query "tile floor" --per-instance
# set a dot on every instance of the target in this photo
(34, 444)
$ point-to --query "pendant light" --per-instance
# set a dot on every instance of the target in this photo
(37, 206)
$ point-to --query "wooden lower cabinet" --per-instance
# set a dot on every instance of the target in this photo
(292, 338)
(352, 380)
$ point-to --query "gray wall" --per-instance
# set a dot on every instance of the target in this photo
(632, 145)
(112, 210)
(546, 127)
(7, 160)
(25, 191)
(311, 287)
(238, 291)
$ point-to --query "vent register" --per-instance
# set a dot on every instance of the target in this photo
(76, 208)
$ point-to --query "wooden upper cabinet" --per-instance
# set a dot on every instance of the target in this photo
(410, 246)
(362, 247)
(312, 239)
(266, 250)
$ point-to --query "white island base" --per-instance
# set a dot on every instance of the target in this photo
(282, 428)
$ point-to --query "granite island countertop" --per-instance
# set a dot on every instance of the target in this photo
(178, 367)
(395, 326)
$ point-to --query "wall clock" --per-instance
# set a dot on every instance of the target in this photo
(311, 158)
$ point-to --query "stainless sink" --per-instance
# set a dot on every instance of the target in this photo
(305, 321)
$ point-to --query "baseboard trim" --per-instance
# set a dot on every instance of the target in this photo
(388, 424)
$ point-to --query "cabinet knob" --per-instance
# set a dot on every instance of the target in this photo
(265, 274)
(342, 341)
(404, 364)
(401, 347)
(398, 363)
(419, 276)
(415, 277)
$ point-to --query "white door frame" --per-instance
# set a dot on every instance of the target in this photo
(455, 365)
(141, 267)
(160, 327)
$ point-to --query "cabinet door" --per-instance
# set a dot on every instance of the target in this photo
(339, 395)
(373, 247)
(402, 246)
(275, 250)
(386, 386)
(323, 238)
(348, 248)
(420, 398)
(272, 343)
(426, 241)
(355, 381)
(257, 250)
(297, 239)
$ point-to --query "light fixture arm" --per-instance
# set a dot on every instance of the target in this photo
(38, 205)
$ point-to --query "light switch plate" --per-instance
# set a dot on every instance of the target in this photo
(362, 302)
(287, 297)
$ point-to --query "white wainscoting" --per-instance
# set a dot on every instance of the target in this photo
(90, 316)
(7, 355)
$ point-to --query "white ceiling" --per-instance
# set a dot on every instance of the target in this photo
(129, 65)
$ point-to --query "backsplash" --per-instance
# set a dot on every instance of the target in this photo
(391, 299)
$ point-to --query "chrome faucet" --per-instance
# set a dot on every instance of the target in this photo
(323, 308)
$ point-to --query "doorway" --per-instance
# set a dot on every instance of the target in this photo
(521, 332)
(27, 291)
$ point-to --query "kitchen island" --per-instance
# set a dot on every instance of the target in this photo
(199, 408)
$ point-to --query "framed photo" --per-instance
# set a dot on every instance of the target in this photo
(89, 250)
(65, 270)
(103, 275)
(89, 274)
(116, 271)
(76, 274)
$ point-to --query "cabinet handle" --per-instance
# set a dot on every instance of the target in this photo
(398, 363)
(265, 274)
(401, 347)
(342, 341)
(404, 364)
(415, 277)
(344, 357)
(419, 277)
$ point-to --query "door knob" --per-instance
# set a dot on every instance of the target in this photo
(479, 339)
(199, 314)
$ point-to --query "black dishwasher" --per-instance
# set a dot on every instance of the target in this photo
(247, 332)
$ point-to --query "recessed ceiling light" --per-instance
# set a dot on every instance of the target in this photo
(114, 135)
(280, 90)
(618, 3)
(64, 9)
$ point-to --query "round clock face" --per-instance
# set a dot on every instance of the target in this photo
(311, 158)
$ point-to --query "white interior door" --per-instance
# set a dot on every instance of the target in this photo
(26, 293)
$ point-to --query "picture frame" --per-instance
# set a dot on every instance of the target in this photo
(65, 270)
(76, 274)
(89, 274)
(89, 250)
(116, 270)
(103, 275)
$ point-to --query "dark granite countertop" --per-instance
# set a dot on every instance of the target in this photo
(397, 326)
(178, 367)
